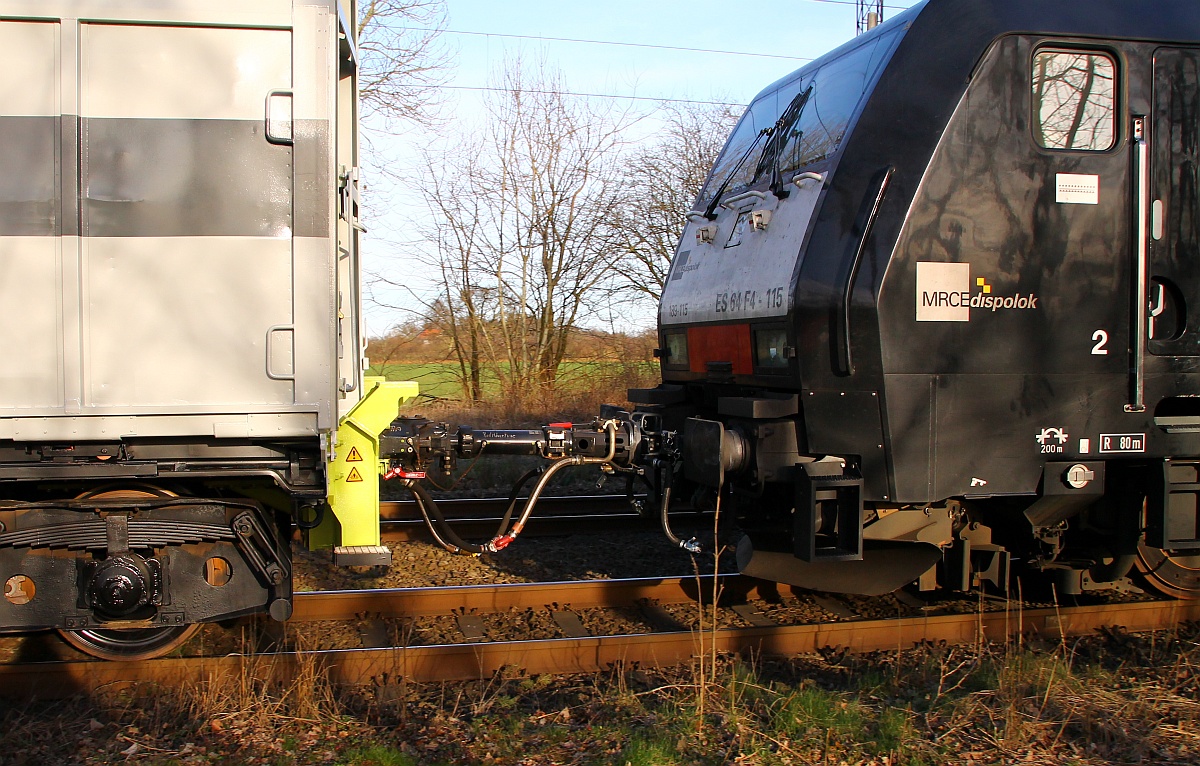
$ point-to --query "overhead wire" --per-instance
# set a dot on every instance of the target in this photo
(854, 2)
(607, 42)
(652, 46)
(584, 41)
(588, 95)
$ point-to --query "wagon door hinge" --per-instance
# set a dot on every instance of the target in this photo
(349, 197)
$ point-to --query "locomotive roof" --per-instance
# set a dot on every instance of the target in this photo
(969, 25)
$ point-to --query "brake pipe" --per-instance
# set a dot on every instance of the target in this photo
(427, 505)
(610, 426)
(455, 544)
(690, 545)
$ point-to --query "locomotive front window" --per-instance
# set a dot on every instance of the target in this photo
(837, 89)
(1074, 100)
(810, 113)
(739, 158)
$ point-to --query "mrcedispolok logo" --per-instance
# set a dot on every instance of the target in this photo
(945, 293)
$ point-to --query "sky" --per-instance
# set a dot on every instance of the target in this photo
(648, 65)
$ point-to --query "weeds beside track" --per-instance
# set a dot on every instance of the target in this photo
(468, 661)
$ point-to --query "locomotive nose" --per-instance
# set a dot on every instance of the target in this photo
(120, 585)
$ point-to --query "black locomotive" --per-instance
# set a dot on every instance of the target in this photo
(942, 291)
(936, 311)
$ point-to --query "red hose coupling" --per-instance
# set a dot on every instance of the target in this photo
(500, 543)
(403, 474)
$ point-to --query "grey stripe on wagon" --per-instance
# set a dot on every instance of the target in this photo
(155, 178)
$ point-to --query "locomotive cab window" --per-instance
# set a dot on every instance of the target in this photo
(1074, 100)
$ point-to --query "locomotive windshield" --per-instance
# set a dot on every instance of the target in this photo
(803, 120)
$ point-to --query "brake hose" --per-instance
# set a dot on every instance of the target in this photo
(450, 540)
(690, 545)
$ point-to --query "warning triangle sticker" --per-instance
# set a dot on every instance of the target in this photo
(354, 475)
(354, 457)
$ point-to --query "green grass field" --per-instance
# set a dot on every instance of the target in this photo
(440, 380)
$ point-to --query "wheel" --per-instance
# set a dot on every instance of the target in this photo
(1170, 573)
(128, 644)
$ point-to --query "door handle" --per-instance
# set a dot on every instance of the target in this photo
(1141, 299)
(1157, 307)
(280, 126)
(277, 356)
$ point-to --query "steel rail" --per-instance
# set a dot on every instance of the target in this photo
(577, 594)
(475, 507)
(393, 531)
(383, 668)
(400, 520)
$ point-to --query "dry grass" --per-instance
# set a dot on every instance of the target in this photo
(254, 699)
(1109, 698)
(570, 402)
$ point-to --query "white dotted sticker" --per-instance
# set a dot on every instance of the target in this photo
(1076, 189)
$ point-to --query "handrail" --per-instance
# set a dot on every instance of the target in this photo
(800, 178)
(1141, 301)
(854, 250)
(736, 200)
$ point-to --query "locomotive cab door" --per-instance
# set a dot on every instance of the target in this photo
(1173, 202)
(1166, 242)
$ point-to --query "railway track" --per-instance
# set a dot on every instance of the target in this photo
(382, 667)
(400, 521)
(462, 508)
(576, 594)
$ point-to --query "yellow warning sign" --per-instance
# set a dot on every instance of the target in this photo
(354, 475)
(354, 457)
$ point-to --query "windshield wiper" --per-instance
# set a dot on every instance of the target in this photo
(710, 211)
(772, 152)
(780, 133)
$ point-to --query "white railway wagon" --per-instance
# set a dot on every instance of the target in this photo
(180, 321)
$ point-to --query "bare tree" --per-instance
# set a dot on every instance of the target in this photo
(522, 225)
(661, 181)
(457, 218)
(401, 62)
(558, 166)
(401, 65)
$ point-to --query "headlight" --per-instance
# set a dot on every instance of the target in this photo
(676, 347)
(770, 348)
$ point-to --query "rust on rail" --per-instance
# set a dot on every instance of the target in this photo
(362, 667)
(578, 594)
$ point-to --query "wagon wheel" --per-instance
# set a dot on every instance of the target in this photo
(1171, 573)
(128, 643)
